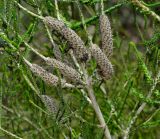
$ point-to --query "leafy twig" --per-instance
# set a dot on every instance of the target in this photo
(90, 20)
(141, 108)
(29, 12)
(10, 134)
(146, 9)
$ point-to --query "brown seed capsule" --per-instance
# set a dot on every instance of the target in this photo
(54, 23)
(69, 73)
(49, 103)
(105, 66)
(106, 35)
(57, 52)
(72, 38)
(44, 75)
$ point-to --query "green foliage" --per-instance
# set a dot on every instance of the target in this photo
(136, 61)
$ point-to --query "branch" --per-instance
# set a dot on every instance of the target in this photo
(96, 106)
(9, 133)
(90, 20)
(146, 9)
(29, 12)
(141, 108)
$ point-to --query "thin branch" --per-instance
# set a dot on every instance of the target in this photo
(48, 32)
(141, 108)
(155, 4)
(57, 9)
(83, 23)
(10, 134)
(146, 9)
(96, 106)
(90, 20)
(15, 112)
(29, 12)
(102, 7)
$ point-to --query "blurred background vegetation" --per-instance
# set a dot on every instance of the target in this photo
(136, 61)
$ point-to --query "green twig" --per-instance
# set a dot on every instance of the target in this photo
(141, 108)
(90, 20)
(156, 4)
(145, 9)
(29, 12)
(10, 134)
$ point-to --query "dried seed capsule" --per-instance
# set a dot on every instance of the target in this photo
(72, 38)
(49, 103)
(54, 23)
(106, 35)
(105, 66)
(69, 73)
(57, 52)
(44, 75)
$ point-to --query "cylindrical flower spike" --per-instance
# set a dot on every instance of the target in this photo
(106, 35)
(69, 73)
(49, 103)
(72, 38)
(105, 66)
(46, 76)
